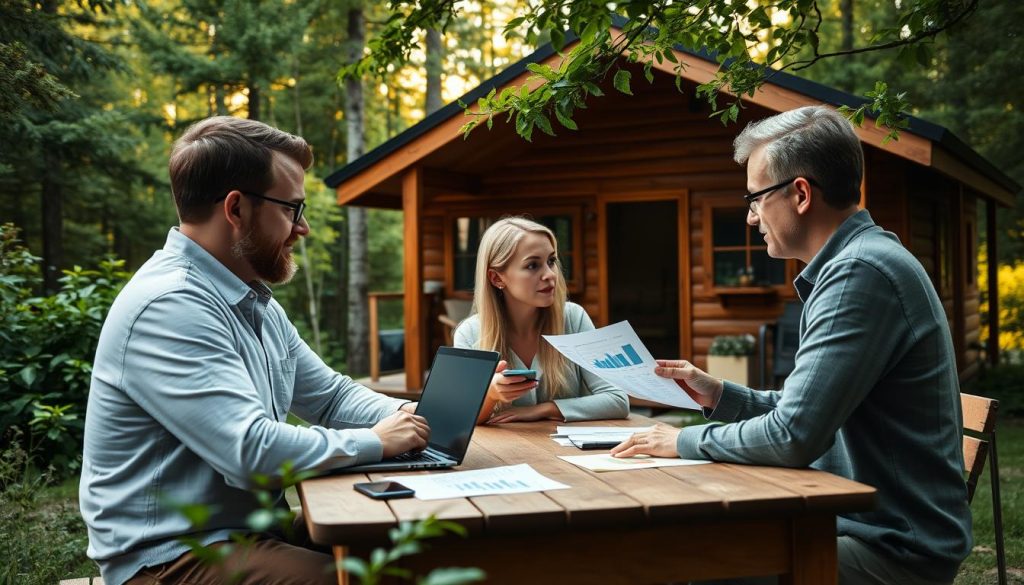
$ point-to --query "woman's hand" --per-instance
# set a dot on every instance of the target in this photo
(504, 390)
(705, 389)
(544, 410)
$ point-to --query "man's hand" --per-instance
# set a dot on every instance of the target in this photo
(505, 390)
(659, 442)
(401, 432)
(409, 407)
(705, 389)
(544, 410)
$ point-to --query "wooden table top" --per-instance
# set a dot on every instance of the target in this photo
(336, 514)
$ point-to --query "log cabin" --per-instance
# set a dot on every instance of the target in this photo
(646, 202)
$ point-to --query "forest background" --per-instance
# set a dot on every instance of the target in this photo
(94, 92)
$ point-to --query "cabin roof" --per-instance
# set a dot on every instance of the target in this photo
(827, 95)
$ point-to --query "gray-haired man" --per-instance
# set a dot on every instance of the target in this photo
(874, 395)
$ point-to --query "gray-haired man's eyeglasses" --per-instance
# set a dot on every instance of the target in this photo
(755, 199)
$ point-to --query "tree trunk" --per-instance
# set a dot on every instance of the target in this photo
(846, 9)
(358, 265)
(254, 101)
(53, 221)
(435, 58)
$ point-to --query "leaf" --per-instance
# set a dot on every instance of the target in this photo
(565, 120)
(544, 124)
(593, 89)
(260, 520)
(453, 576)
(28, 375)
(621, 81)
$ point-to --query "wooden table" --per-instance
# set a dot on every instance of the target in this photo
(629, 527)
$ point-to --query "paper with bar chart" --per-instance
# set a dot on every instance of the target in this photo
(510, 479)
(616, 354)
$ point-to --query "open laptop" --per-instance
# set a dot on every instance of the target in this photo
(451, 400)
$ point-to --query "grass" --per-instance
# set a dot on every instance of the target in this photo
(44, 537)
(980, 566)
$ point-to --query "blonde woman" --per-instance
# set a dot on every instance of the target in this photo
(520, 295)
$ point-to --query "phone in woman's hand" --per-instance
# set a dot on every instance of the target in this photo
(530, 375)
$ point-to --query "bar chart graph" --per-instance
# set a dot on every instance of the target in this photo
(619, 360)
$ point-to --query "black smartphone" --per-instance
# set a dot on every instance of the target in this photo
(384, 490)
(528, 374)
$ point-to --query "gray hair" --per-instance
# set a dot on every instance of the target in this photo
(815, 142)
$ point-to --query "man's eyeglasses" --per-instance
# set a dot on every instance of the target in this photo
(297, 208)
(755, 199)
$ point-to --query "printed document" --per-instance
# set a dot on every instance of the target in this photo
(510, 479)
(608, 463)
(616, 354)
(566, 435)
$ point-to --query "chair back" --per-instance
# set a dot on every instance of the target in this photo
(979, 417)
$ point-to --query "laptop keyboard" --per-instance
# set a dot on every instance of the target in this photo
(427, 456)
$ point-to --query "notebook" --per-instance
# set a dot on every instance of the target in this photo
(452, 396)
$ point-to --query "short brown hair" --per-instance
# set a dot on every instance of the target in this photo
(222, 153)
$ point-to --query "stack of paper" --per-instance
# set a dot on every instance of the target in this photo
(569, 436)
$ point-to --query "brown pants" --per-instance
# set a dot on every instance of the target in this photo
(268, 561)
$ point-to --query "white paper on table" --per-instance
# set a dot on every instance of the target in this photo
(604, 462)
(565, 431)
(616, 354)
(565, 435)
(510, 479)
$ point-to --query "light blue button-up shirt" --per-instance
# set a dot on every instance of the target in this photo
(874, 397)
(195, 373)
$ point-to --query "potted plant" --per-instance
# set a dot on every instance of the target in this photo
(730, 358)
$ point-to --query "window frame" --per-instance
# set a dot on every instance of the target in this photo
(574, 212)
(708, 207)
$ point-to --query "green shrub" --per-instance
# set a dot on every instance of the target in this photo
(47, 344)
(44, 538)
(1005, 383)
(734, 345)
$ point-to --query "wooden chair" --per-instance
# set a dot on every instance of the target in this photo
(980, 417)
(455, 310)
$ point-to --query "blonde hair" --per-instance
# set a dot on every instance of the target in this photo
(497, 247)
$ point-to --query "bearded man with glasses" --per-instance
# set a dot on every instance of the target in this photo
(874, 395)
(198, 367)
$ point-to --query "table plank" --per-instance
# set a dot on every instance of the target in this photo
(622, 556)
(513, 512)
(590, 502)
(821, 491)
(335, 512)
(459, 510)
(662, 496)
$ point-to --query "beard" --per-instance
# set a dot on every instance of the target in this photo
(270, 260)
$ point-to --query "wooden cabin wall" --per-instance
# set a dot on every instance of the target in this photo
(942, 223)
(658, 143)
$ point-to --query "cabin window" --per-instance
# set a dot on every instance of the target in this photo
(467, 231)
(737, 255)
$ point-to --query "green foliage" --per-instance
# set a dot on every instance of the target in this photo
(43, 536)
(47, 344)
(406, 540)
(731, 32)
(734, 345)
(1005, 383)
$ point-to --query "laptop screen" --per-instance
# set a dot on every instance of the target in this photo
(453, 394)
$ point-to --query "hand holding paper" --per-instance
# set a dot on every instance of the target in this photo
(616, 354)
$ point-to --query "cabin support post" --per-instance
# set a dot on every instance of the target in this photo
(412, 207)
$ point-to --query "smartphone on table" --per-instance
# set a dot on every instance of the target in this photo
(530, 375)
(384, 490)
